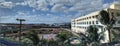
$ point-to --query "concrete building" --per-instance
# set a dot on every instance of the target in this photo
(81, 24)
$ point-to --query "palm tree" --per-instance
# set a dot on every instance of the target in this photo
(33, 36)
(63, 36)
(116, 35)
(92, 36)
(92, 33)
(106, 19)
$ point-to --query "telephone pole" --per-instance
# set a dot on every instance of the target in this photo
(20, 28)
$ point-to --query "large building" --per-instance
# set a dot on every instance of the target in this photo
(81, 24)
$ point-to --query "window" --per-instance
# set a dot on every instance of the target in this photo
(85, 27)
(104, 29)
(87, 22)
(89, 17)
(93, 16)
(112, 13)
(80, 22)
(96, 16)
(92, 22)
(118, 14)
(119, 21)
(85, 18)
(96, 22)
(83, 22)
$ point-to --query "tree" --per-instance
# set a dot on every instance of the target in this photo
(64, 35)
(92, 37)
(106, 19)
(116, 35)
(33, 35)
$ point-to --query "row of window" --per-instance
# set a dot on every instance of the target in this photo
(88, 22)
(82, 27)
(87, 18)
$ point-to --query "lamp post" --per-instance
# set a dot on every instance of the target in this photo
(20, 27)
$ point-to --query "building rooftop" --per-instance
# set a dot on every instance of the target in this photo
(88, 15)
(115, 5)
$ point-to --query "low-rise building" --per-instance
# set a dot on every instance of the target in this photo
(81, 24)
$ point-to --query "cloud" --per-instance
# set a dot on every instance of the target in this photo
(59, 7)
(22, 3)
(117, 0)
(40, 18)
(65, 2)
(63, 5)
(87, 6)
(36, 4)
(84, 5)
(2, 1)
(50, 10)
(106, 5)
(44, 4)
(6, 4)
(33, 10)
(77, 5)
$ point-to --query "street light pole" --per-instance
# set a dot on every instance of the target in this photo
(20, 28)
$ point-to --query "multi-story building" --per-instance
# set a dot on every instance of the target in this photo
(81, 24)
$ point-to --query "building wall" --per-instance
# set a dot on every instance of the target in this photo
(81, 24)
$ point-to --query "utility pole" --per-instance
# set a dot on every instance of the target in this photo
(20, 28)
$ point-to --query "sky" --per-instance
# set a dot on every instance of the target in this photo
(48, 11)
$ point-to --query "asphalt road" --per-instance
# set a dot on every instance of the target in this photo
(8, 43)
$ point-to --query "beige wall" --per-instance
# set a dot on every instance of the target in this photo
(78, 27)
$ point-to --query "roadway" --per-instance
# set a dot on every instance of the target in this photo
(4, 42)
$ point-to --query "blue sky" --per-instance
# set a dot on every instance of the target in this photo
(48, 11)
